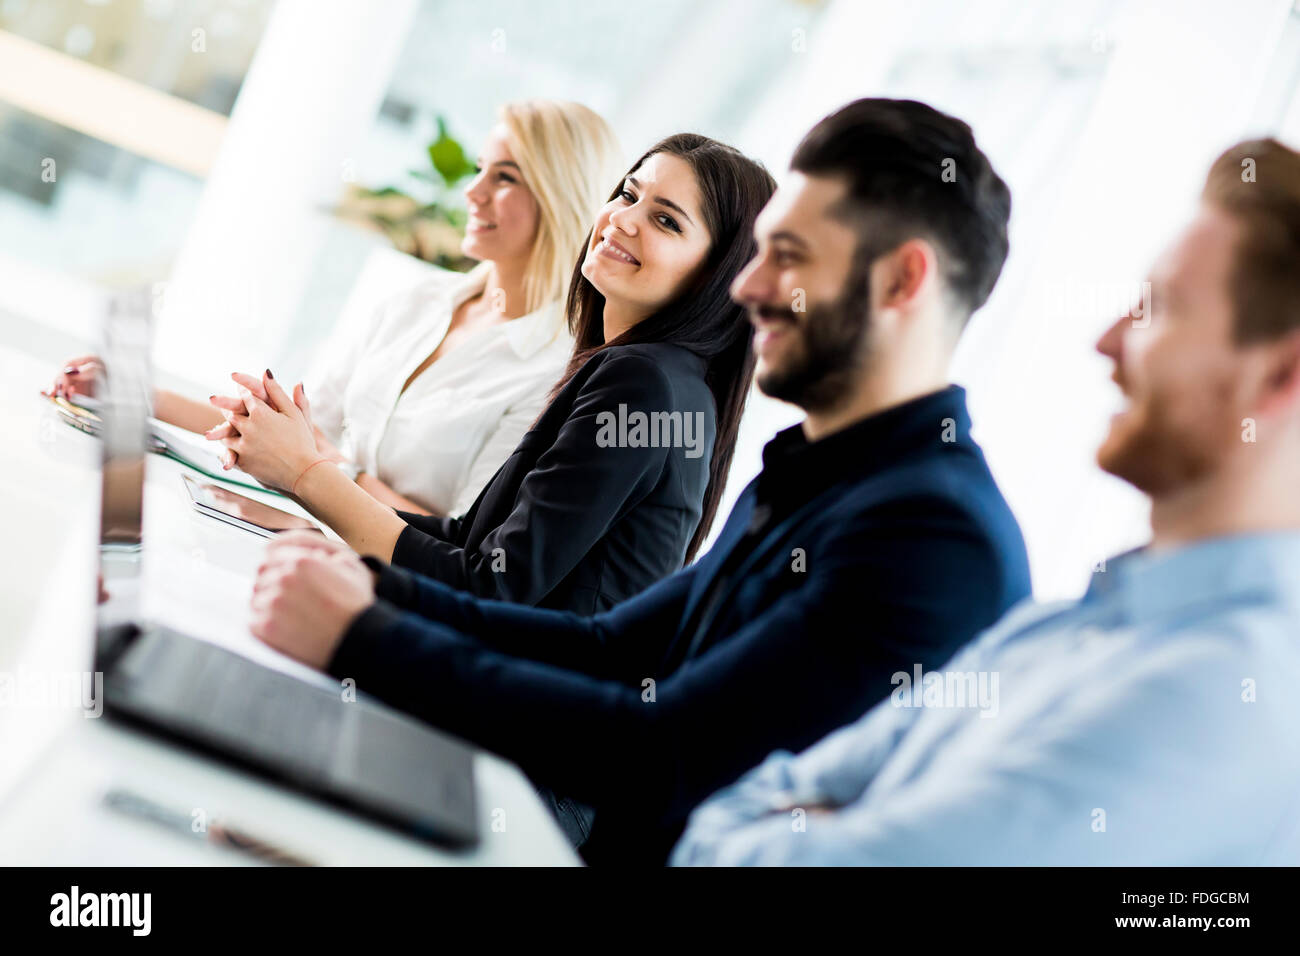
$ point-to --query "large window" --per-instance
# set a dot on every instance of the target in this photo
(111, 115)
(1103, 116)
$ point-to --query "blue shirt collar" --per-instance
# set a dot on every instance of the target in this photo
(1149, 585)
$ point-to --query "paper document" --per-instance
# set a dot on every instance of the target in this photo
(200, 454)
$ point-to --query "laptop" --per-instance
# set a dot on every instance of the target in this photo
(357, 754)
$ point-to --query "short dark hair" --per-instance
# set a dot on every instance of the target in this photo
(1257, 182)
(913, 172)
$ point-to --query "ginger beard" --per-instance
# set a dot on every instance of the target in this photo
(1178, 429)
(1190, 380)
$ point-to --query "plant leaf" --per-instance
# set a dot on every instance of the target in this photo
(448, 156)
(379, 193)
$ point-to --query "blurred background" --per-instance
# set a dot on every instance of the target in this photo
(253, 160)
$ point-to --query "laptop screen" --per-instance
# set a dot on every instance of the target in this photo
(124, 393)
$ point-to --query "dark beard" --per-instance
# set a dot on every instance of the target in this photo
(833, 338)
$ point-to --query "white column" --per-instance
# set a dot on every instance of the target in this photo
(312, 91)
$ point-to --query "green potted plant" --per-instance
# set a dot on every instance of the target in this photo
(429, 227)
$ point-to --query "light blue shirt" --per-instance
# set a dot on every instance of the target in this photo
(1155, 721)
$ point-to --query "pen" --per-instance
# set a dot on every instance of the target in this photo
(73, 409)
(142, 808)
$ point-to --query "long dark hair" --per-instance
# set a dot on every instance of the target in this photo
(703, 319)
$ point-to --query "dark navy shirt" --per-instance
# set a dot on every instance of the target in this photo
(884, 546)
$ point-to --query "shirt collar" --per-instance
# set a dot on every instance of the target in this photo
(530, 333)
(791, 462)
(1149, 585)
(526, 335)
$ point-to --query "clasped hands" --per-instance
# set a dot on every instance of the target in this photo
(269, 433)
(309, 589)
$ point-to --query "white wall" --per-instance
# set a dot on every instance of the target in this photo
(1105, 140)
(1103, 115)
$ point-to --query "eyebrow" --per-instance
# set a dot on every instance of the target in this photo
(503, 162)
(785, 235)
(665, 202)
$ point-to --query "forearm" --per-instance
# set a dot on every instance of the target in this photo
(561, 638)
(765, 790)
(175, 409)
(798, 836)
(581, 735)
(382, 493)
(368, 526)
(762, 806)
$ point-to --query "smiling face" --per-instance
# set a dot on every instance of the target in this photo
(503, 213)
(1183, 376)
(811, 319)
(650, 240)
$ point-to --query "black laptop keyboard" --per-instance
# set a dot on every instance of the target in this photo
(227, 697)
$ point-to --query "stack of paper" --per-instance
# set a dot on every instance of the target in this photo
(189, 449)
(200, 454)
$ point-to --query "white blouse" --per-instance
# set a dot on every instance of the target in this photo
(439, 442)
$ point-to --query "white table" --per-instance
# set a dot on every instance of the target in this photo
(56, 764)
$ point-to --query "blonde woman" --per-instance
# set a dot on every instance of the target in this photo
(423, 409)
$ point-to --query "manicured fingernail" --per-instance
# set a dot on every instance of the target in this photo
(268, 374)
(71, 370)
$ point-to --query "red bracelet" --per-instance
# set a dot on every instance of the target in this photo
(293, 488)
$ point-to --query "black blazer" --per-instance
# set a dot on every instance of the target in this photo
(588, 510)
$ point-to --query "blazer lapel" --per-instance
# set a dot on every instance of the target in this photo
(711, 563)
(762, 553)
